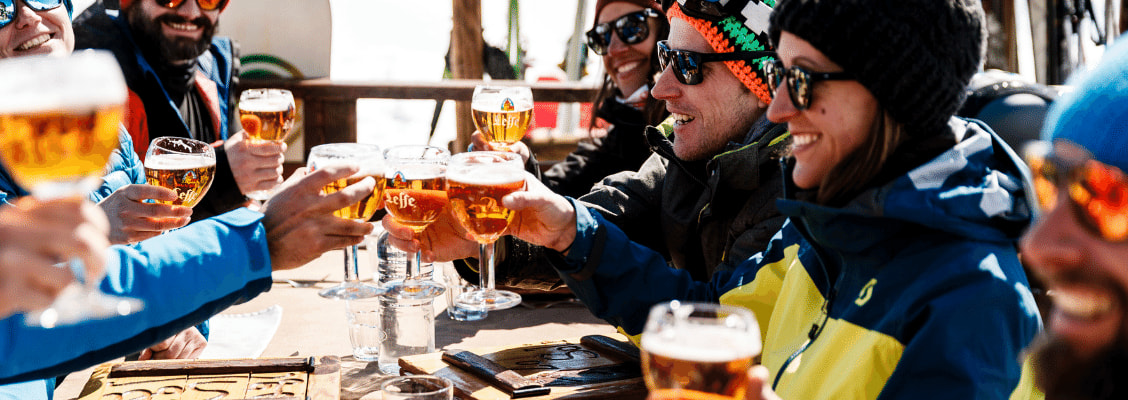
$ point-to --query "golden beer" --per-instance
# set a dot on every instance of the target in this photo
(415, 202)
(709, 359)
(54, 146)
(477, 203)
(368, 206)
(189, 175)
(266, 118)
(502, 127)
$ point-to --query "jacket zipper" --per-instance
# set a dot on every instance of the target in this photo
(816, 328)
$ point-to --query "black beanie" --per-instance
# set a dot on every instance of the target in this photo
(915, 56)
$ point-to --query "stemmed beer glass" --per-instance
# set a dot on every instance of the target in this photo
(59, 120)
(186, 166)
(371, 162)
(476, 182)
(267, 115)
(415, 196)
(502, 113)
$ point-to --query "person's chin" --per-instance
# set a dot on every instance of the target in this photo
(1061, 372)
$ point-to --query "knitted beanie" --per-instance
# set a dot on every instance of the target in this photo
(915, 56)
(641, 3)
(124, 4)
(743, 31)
(1095, 114)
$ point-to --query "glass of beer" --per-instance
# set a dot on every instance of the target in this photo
(415, 195)
(268, 115)
(186, 166)
(476, 182)
(698, 351)
(502, 113)
(59, 122)
(371, 162)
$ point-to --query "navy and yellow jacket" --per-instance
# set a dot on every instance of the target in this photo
(913, 290)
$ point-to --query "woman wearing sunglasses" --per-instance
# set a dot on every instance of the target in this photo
(1079, 244)
(896, 275)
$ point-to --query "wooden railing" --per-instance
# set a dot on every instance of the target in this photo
(330, 105)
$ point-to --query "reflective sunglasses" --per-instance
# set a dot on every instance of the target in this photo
(632, 28)
(687, 64)
(799, 81)
(8, 8)
(206, 5)
(1098, 192)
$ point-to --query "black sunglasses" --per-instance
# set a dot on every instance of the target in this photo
(799, 81)
(709, 10)
(8, 8)
(632, 28)
(687, 64)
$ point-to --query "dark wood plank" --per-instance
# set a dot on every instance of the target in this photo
(215, 367)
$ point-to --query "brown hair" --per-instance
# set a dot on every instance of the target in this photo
(860, 167)
(653, 111)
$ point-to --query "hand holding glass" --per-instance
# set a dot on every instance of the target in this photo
(502, 113)
(59, 120)
(267, 115)
(476, 183)
(415, 196)
(371, 162)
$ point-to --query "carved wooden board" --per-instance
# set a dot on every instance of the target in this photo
(266, 378)
(571, 369)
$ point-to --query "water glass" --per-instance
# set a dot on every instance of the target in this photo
(389, 263)
(456, 286)
(364, 328)
(418, 387)
(409, 329)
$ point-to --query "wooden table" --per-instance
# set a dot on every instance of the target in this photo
(312, 325)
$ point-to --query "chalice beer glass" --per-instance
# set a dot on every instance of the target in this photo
(502, 113)
(476, 182)
(698, 351)
(268, 115)
(59, 120)
(371, 162)
(186, 166)
(415, 195)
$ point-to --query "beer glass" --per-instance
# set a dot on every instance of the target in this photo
(476, 182)
(186, 166)
(266, 114)
(698, 350)
(502, 113)
(59, 121)
(415, 196)
(371, 162)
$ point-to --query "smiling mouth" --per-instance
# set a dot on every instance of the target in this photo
(799, 140)
(1082, 303)
(628, 67)
(682, 119)
(182, 26)
(36, 41)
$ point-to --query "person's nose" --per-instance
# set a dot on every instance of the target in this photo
(617, 47)
(666, 87)
(1056, 242)
(781, 110)
(190, 9)
(25, 16)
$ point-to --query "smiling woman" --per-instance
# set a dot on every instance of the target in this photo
(36, 27)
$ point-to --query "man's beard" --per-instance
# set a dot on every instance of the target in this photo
(1061, 374)
(172, 50)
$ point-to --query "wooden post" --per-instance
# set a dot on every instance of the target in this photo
(465, 61)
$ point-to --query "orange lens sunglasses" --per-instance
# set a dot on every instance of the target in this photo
(1098, 192)
(206, 5)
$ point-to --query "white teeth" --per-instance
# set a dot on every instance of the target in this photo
(38, 40)
(183, 27)
(628, 67)
(681, 119)
(1082, 303)
(803, 140)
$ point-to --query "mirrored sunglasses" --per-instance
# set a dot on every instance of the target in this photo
(687, 64)
(206, 5)
(632, 28)
(799, 81)
(1097, 192)
(8, 8)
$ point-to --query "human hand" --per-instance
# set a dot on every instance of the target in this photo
(443, 240)
(299, 219)
(132, 220)
(186, 345)
(37, 235)
(542, 217)
(256, 164)
(480, 144)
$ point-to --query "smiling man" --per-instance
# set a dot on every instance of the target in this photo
(180, 79)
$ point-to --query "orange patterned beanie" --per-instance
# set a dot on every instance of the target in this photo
(745, 30)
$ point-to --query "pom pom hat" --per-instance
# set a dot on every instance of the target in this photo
(744, 27)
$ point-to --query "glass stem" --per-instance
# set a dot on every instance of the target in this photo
(486, 266)
(352, 270)
(414, 270)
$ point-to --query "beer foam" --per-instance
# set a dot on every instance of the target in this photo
(265, 104)
(486, 175)
(178, 161)
(82, 82)
(492, 103)
(702, 343)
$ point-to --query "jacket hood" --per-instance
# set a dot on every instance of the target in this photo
(974, 190)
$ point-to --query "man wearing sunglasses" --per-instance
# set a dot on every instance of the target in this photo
(1078, 245)
(180, 80)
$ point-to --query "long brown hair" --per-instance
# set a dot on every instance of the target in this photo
(653, 110)
(861, 166)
